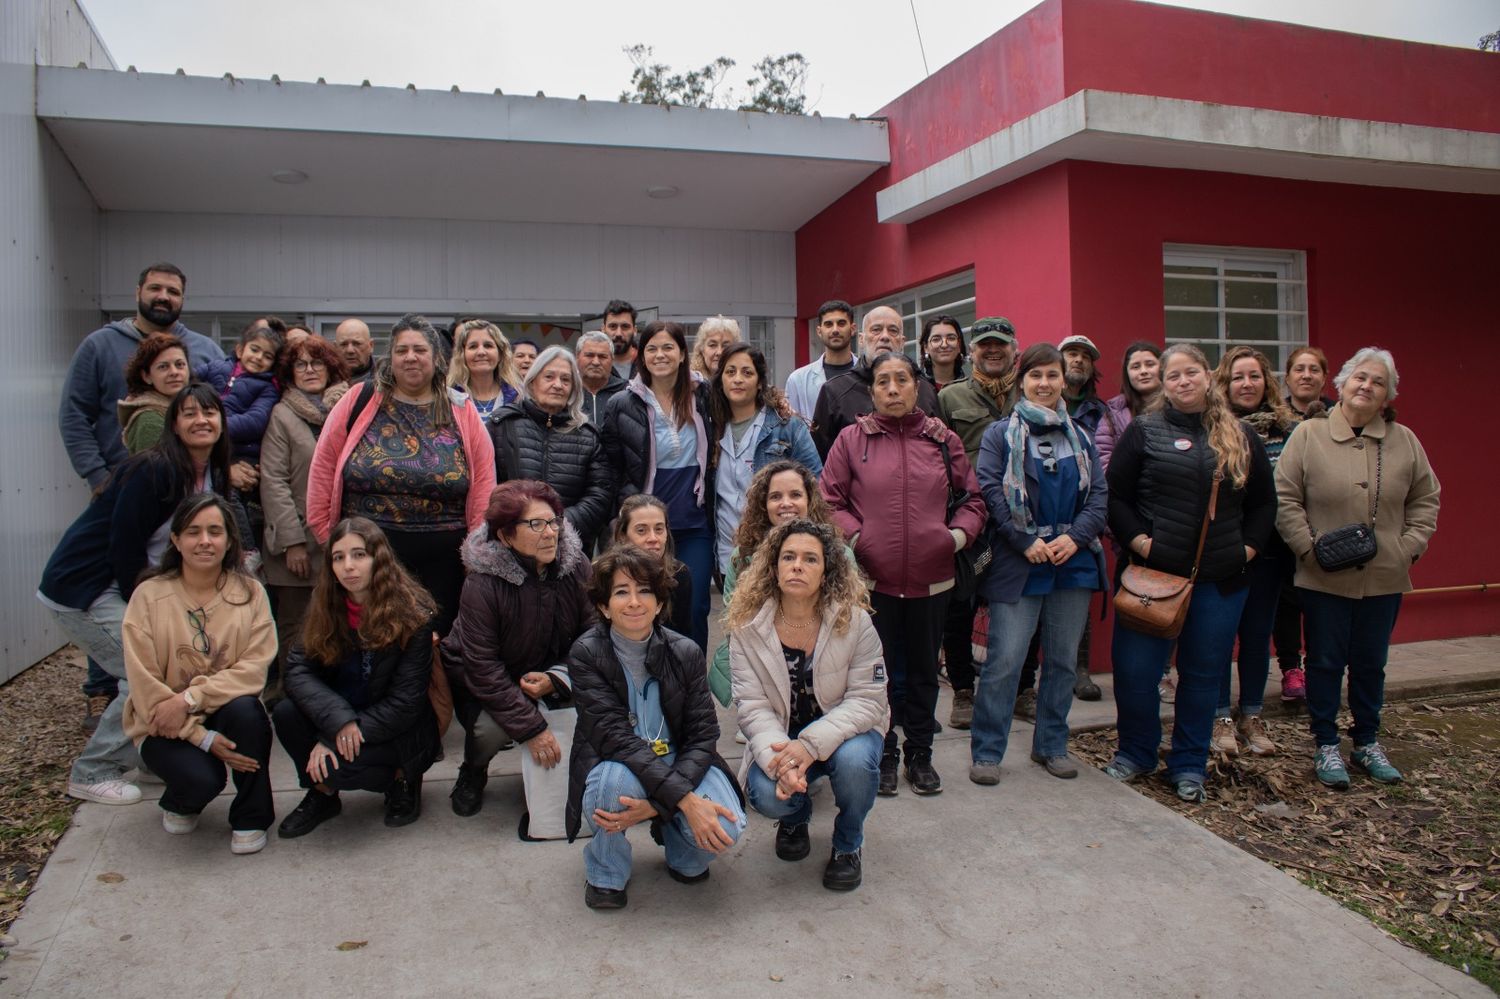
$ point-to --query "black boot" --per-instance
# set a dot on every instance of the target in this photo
(468, 791)
(403, 801)
(920, 774)
(843, 872)
(890, 764)
(1084, 687)
(316, 807)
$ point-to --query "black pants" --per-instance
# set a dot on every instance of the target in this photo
(1286, 633)
(194, 778)
(372, 769)
(910, 631)
(958, 644)
(434, 558)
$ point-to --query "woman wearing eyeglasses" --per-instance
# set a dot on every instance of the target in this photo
(523, 604)
(943, 351)
(1045, 490)
(312, 374)
(198, 641)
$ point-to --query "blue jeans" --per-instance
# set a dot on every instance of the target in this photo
(109, 753)
(606, 859)
(1062, 615)
(1256, 622)
(696, 548)
(1343, 631)
(853, 771)
(1203, 650)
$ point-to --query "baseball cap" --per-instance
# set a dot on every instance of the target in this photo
(1079, 340)
(992, 328)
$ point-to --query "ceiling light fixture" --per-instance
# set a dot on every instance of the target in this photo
(288, 176)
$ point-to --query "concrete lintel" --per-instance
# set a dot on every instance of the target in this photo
(163, 99)
(1165, 132)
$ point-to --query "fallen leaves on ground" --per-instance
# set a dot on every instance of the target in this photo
(40, 711)
(1421, 858)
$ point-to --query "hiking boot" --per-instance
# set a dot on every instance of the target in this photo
(923, 779)
(315, 809)
(1084, 687)
(962, 715)
(792, 841)
(843, 872)
(94, 707)
(1294, 684)
(1328, 765)
(1167, 689)
(1253, 730)
(1224, 740)
(1057, 766)
(889, 765)
(467, 795)
(987, 774)
(1190, 789)
(1373, 761)
(105, 792)
(403, 802)
(247, 841)
(1026, 704)
(604, 898)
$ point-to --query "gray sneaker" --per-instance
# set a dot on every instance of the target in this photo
(987, 774)
(1057, 766)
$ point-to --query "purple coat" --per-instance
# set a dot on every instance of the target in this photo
(248, 401)
(1117, 417)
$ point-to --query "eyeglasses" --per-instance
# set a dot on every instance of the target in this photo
(942, 338)
(1005, 328)
(538, 525)
(307, 365)
(1048, 454)
(199, 620)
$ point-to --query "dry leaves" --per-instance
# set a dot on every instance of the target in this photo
(1421, 859)
(352, 945)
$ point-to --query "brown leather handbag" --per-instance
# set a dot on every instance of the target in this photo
(1154, 602)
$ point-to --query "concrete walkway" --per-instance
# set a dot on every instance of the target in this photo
(1036, 887)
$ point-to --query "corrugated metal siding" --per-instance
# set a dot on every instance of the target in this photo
(49, 292)
(240, 263)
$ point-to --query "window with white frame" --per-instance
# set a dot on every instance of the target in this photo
(952, 296)
(1220, 297)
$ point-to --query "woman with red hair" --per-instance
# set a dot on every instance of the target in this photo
(523, 604)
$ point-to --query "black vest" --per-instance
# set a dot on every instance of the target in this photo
(1174, 488)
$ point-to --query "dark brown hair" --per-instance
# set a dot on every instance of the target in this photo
(145, 355)
(396, 607)
(641, 566)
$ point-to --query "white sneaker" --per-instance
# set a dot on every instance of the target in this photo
(106, 792)
(244, 841)
(739, 737)
(178, 825)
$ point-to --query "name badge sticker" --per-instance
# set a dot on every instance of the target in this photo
(1183, 444)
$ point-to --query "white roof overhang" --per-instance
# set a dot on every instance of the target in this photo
(173, 143)
(1109, 127)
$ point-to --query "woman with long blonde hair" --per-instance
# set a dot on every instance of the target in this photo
(356, 715)
(809, 687)
(1173, 469)
(484, 366)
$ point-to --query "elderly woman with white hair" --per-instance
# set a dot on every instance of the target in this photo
(1358, 504)
(715, 335)
(544, 435)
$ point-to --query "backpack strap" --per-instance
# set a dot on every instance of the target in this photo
(366, 393)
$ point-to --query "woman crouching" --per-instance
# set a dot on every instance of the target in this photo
(644, 748)
(809, 685)
(356, 715)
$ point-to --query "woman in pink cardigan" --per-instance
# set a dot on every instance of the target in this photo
(411, 455)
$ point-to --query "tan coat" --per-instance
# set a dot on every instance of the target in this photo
(1326, 479)
(162, 656)
(848, 682)
(286, 453)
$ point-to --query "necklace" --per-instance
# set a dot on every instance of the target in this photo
(794, 627)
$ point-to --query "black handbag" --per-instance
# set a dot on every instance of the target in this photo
(971, 563)
(1353, 544)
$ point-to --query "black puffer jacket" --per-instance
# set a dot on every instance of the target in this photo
(398, 711)
(512, 622)
(1160, 476)
(848, 396)
(604, 731)
(630, 448)
(531, 443)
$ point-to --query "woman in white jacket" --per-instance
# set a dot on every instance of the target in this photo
(809, 687)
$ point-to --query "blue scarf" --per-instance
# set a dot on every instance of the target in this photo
(1027, 417)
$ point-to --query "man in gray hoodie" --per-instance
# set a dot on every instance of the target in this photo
(96, 375)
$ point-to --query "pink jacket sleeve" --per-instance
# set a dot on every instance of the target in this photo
(836, 481)
(325, 475)
(480, 451)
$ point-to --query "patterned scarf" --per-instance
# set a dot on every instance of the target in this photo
(998, 389)
(1025, 419)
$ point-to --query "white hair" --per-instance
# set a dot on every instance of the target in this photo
(575, 397)
(595, 336)
(719, 324)
(1370, 354)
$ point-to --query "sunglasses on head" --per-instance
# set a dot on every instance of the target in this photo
(1005, 328)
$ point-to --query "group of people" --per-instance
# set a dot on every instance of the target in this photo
(527, 541)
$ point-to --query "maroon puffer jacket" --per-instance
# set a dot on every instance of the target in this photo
(885, 480)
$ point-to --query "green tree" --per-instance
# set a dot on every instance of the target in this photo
(1490, 42)
(779, 84)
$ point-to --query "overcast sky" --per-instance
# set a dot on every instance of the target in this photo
(861, 54)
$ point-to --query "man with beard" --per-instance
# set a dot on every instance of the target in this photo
(87, 416)
(619, 326)
(594, 350)
(836, 331)
(96, 376)
(352, 338)
(848, 396)
(1084, 405)
(968, 406)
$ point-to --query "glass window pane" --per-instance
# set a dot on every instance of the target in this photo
(1240, 327)
(1185, 269)
(1250, 295)
(1230, 272)
(1192, 326)
(940, 298)
(1186, 291)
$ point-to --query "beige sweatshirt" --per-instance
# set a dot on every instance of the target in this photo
(162, 656)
